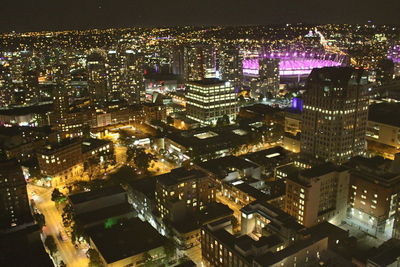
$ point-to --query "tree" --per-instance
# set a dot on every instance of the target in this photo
(67, 215)
(77, 232)
(140, 157)
(57, 196)
(125, 138)
(90, 165)
(50, 243)
(94, 257)
(39, 218)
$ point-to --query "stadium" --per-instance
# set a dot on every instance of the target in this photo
(294, 64)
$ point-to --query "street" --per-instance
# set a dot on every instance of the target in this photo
(195, 255)
(66, 250)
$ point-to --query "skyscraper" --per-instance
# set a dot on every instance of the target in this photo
(14, 204)
(177, 60)
(97, 81)
(210, 99)
(113, 70)
(230, 66)
(133, 87)
(5, 86)
(269, 76)
(197, 59)
(335, 114)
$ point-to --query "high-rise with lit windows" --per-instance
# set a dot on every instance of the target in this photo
(230, 65)
(113, 71)
(318, 194)
(268, 75)
(210, 99)
(197, 59)
(14, 204)
(182, 192)
(97, 81)
(335, 114)
(133, 81)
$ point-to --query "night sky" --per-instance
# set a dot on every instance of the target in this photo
(32, 15)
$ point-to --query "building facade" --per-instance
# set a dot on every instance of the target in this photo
(318, 194)
(210, 99)
(14, 203)
(183, 192)
(335, 114)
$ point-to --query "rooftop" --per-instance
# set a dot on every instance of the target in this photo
(222, 166)
(338, 76)
(273, 214)
(383, 113)
(321, 170)
(207, 82)
(312, 235)
(105, 213)
(52, 148)
(125, 239)
(95, 194)
(252, 191)
(378, 169)
(270, 156)
(92, 143)
(146, 186)
(386, 254)
(179, 175)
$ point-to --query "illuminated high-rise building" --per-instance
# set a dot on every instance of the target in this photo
(210, 99)
(335, 114)
(31, 87)
(197, 59)
(177, 60)
(269, 76)
(97, 79)
(5, 86)
(14, 204)
(230, 66)
(113, 71)
(133, 84)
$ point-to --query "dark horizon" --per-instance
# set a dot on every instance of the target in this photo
(46, 15)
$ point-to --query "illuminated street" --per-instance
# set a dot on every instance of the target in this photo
(66, 250)
(120, 154)
(195, 255)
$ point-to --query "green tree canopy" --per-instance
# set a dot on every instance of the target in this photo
(50, 243)
(57, 196)
(140, 157)
(40, 219)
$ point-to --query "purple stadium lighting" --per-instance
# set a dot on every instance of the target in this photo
(293, 64)
(394, 54)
